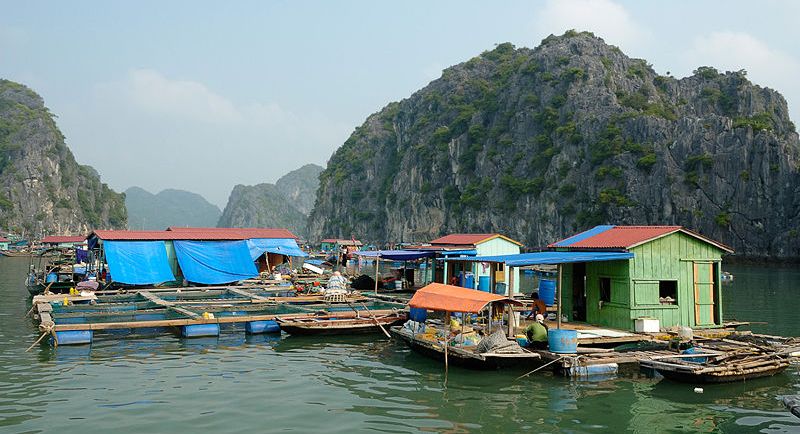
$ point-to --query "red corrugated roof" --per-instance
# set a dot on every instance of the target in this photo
(625, 237)
(63, 239)
(469, 239)
(4, 240)
(208, 234)
(238, 233)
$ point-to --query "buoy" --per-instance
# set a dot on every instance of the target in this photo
(66, 301)
(698, 390)
(208, 315)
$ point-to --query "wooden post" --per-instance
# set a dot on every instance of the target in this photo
(446, 336)
(558, 297)
(377, 265)
(510, 320)
(510, 282)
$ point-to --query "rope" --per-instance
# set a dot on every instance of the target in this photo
(47, 330)
(540, 367)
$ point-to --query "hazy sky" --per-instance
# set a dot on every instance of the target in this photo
(205, 95)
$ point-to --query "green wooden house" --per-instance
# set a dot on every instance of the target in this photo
(674, 277)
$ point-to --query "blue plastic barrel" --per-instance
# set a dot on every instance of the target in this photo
(256, 327)
(547, 291)
(500, 288)
(418, 314)
(199, 330)
(51, 277)
(562, 341)
(74, 337)
(468, 280)
(484, 283)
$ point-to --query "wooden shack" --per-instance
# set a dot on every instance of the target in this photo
(674, 277)
(458, 248)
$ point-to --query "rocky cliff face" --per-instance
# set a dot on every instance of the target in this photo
(167, 208)
(539, 144)
(43, 190)
(285, 204)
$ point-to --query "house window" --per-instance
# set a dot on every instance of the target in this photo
(605, 289)
(668, 291)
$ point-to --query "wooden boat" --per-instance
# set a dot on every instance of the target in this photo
(465, 356)
(448, 298)
(331, 325)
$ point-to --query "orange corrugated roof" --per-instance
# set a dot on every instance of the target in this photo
(438, 296)
(469, 239)
(63, 239)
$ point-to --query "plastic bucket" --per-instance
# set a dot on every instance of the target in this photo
(398, 285)
(51, 277)
(547, 291)
(418, 314)
(562, 341)
(484, 283)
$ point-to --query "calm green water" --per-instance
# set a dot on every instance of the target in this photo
(270, 384)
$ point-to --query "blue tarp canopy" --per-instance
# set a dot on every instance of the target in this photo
(215, 262)
(468, 252)
(281, 246)
(542, 258)
(138, 262)
(398, 255)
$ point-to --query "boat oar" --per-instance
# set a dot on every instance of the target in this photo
(376, 321)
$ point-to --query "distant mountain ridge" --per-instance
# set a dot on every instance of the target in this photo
(285, 204)
(43, 190)
(170, 207)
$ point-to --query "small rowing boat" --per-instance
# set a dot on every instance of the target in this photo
(331, 325)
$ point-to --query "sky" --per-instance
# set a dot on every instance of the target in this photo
(201, 95)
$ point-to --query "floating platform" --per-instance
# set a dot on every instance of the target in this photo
(189, 312)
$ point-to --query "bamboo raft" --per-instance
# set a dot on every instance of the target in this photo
(736, 358)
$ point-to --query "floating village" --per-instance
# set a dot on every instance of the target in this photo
(607, 301)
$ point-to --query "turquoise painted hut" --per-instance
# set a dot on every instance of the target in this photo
(673, 277)
(458, 248)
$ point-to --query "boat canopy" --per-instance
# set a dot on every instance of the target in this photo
(138, 262)
(397, 255)
(280, 246)
(550, 258)
(215, 262)
(438, 296)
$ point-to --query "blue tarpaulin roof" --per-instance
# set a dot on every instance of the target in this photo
(468, 252)
(281, 246)
(138, 262)
(584, 235)
(215, 262)
(398, 255)
(542, 258)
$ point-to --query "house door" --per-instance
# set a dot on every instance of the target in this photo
(579, 291)
(705, 293)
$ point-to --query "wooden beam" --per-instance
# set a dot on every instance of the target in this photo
(200, 320)
(244, 293)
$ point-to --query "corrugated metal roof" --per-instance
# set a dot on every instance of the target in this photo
(198, 234)
(237, 233)
(542, 258)
(441, 297)
(615, 237)
(4, 240)
(626, 237)
(470, 239)
(342, 242)
(63, 239)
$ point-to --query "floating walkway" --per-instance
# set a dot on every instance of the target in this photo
(191, 312)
